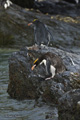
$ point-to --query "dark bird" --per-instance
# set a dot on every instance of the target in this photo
(22, 3)
(6, 3)
(41, 33)
(52, 62)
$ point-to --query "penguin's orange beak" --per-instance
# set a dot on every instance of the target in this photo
(30, 24)
(33, 67)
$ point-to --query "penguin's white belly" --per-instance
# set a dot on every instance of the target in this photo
(43, 62)
(52, 69)
(7, 4)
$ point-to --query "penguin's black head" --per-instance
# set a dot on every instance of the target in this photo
(37, 62)
(35, 21)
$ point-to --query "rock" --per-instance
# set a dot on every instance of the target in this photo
(70, 105)
(15, 33)
(75, 80)
(22, 61)
(60, 8)
(69, 99)
(27, 84)
(19, 89)
(72, 1)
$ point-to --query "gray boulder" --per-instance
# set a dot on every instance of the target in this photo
(32, 83)
(62, 91)
(14, 32)
(70, 103)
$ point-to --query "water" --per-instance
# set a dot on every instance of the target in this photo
(11, 109)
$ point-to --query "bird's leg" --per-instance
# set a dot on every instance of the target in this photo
(52, 69)
(48, 78)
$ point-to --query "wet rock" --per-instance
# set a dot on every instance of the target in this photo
(15, 33)
(50, 90)
(70, 109)
(10, 30)
(58, 8)
(75, 80)
(52, 115)
(17, 87)
(72, 1)
(61, 91)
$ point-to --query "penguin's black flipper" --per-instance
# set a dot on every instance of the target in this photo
(49, 35)
(48, 71)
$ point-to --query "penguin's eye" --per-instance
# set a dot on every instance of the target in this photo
(35, 60)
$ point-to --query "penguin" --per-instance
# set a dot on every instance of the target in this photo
(6, 3)
(22, 3)
(52, 62)
(41, 33)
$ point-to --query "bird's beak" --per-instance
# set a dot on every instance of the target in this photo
(33, 67)
(30, 24)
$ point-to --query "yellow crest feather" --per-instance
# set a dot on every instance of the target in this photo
(35, 20)
(35, 60)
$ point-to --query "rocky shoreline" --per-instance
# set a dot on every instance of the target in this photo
(63, 91)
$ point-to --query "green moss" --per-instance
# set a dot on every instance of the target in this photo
(67, 19)
(75, 80)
